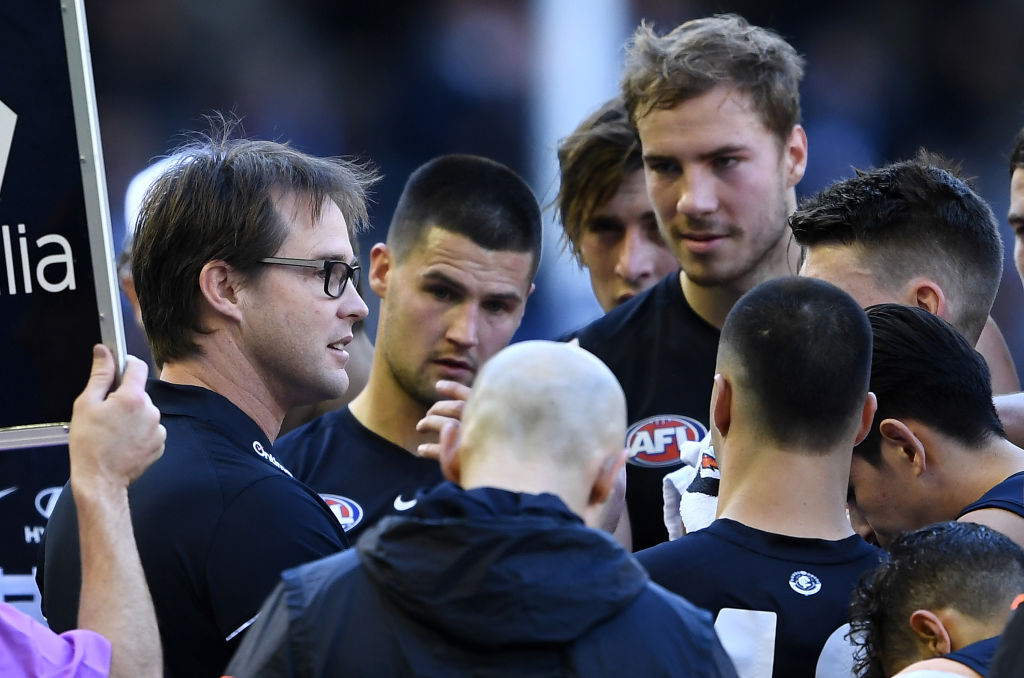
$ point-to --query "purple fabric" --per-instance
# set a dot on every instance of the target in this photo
(27, 648)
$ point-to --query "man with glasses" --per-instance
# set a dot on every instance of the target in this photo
(453, 278)
(244, 271)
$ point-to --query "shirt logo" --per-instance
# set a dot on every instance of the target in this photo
(348, 512)
(46, 500)
(804, 583)
(655, 441)
(402, 504)
(257, 447)
(4, 493)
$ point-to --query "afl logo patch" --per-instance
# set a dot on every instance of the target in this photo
(655, 441)
(804, 583)
(348, 513)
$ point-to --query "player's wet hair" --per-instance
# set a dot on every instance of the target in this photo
(699, 55)
(478, 198)
(923, 369)
(803, 349)
(913, 218)
(593, 162)
(964, 566)
(217, 202)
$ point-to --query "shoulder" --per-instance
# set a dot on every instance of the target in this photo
(627, 318)
(659, 633)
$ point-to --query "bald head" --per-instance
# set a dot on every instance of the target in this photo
(543, 417)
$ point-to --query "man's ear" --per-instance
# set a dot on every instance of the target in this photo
(930, 633)
(900, 437)
(721, 405)
(867, 417)
(219, 285)
(607, 476)
(381, 264)
(795, 156)
(927, 294)
(448, 441)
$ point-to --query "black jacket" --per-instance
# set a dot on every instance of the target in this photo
(479, 583)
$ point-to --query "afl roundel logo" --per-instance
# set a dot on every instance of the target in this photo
(348, 513)
(655, 441)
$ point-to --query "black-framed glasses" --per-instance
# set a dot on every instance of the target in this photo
(336, 274)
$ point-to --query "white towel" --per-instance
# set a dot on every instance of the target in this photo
(691, 493)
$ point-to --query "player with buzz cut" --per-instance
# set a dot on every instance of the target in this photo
(790, 401)
(453, 278)
(717, 109)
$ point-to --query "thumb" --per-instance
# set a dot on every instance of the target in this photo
(102, 375)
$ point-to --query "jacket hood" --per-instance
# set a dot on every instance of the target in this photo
(494, 568)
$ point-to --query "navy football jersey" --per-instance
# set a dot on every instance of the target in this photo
(976, 656)
(781, 604)
(1007, 495)
(663, 355)
(216, 519)
(362, 476)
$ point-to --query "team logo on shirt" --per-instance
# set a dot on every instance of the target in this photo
(804, 583)
(348, 513)
(655, 441)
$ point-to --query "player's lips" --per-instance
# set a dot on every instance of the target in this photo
(455, 366)
(623, 298)
(700, 243)
(338, 347)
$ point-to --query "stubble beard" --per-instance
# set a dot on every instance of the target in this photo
(757, 267)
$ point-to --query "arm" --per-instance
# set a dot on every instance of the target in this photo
(1011, 412)
(266, 649)
(113, 440)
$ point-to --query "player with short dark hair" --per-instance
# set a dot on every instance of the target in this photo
(453, 278)
(608, 224)
(790, 401)
(498, 577)
(938, 603)
(909, 232)
(937, 450)
(717, 108)
(245, 275)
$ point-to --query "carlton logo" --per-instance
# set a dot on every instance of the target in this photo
(348, 513)
(655, 441)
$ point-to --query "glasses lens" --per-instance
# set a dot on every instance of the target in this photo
(339, 274)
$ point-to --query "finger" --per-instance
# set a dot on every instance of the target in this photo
(453, 390)
(430, 423)
(101, 377)
(448, 408)
(135, 373)
(429, 451)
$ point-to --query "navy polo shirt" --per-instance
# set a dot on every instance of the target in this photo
(216, 519)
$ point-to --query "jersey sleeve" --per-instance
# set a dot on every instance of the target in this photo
(27, 648)
(270, 527)
(266, 650)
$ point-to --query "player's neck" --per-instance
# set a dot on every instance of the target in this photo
(386, 409)
(798, 494)
(991, 464)
(713, 302)
(233, 379)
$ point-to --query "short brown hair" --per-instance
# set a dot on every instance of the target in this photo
(697, 56)
(217, 203)
(593, 162)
